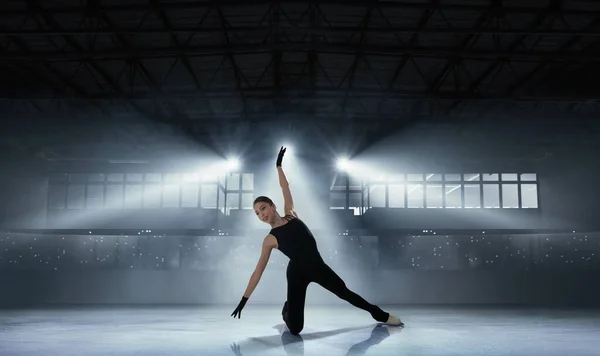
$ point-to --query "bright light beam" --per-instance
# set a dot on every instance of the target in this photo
(343, 164)
(233, 164)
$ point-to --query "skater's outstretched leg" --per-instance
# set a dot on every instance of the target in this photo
(327, 278)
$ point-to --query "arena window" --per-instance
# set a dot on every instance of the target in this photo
(435, 190)
(150, 191)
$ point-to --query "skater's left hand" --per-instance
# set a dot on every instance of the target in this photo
(238, 311)
(280, 156)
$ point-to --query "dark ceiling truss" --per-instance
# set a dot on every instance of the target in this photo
(312, 30)
(259, 48)
(290, 51)
(42, 71)
(553, 10)
(321, 92)
(190, 5)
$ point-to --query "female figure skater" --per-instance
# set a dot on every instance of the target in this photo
(294, 239)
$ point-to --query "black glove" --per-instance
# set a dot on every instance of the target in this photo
(238, 311)
(280, 156)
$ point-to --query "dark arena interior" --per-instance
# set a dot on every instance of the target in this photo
(444, 154)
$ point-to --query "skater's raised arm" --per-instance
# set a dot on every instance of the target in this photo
(288, 201)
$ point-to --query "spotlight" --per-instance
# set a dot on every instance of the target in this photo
(233, 164)
(343, 164)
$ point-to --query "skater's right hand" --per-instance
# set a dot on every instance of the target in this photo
(238, 311)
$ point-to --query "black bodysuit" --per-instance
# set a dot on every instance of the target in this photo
(296, 241)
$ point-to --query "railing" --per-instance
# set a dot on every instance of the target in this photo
(221, 251)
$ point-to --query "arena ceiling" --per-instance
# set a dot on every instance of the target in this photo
(222, 67)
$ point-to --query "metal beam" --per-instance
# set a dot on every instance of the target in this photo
(277, 57)
(466, 43)
(540, 19)
(153, 84)
(414, 40)
(312, 56)
(528, 76)
(65, 80)
(49, 19)
(169, 27)
(319, 30)
(266, 93)
(359, 56)
(371, 121)
(184, 59)
(349, 49)
(189, 5)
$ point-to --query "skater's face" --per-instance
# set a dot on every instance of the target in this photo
(265, 212)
